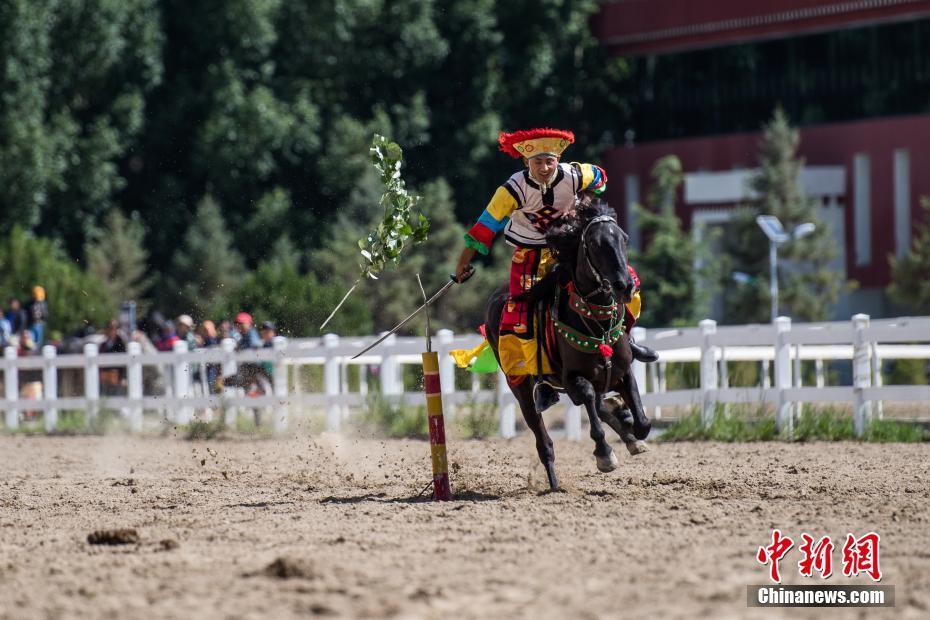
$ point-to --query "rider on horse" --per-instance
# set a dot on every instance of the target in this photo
(524, 207)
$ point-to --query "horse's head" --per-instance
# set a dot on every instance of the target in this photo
(595, 245)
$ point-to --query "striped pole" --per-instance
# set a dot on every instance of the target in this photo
(437, 432)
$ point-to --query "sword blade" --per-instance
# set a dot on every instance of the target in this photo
(409, 318)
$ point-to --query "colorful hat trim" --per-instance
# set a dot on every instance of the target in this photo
(533, 142)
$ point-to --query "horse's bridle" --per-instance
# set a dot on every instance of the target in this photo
(604, 285)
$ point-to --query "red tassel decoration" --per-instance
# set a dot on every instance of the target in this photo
(606, 350)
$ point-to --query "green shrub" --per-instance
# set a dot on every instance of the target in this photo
(733, 424)
(198, 429)
(387, 419)
(823, 424)
(888, 431)
(813, 424)
(476, 421)
(80, 422)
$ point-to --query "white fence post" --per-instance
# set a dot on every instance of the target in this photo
(862, 373)
(798, 375)
(363, 381)
(444, 338)
(573, 422)
(91, 380)
(134, 386)
(654, 387)
(389, 374)
(279, 373)
(182, 380)
(344, 388)
(878, 409)
(820, 379)
(505, 406)
(639, 369)
(331, 384)
(229, 368)
(50, 386)
(11, 387)
(660, 383)
(765, 366)
(784, 420)
(708, 371)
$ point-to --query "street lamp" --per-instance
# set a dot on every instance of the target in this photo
(777, 236)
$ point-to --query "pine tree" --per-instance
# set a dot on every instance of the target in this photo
(206, 267)
(117, 257)
(75, 298)
(667, 265)
(808, 288)
(910, 274)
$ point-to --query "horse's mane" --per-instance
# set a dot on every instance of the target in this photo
(563, 240)
(564, 237)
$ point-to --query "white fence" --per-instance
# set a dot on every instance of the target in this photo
(780, 347)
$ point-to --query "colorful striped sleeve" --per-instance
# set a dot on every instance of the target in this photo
(593, 178)
(492, 221)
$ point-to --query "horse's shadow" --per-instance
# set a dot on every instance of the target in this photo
(462, 496)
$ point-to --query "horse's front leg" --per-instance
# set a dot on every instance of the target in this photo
(582, 392)
(615, 414)
(536, 423)
(629, 390)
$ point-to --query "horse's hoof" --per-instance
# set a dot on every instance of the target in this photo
(607, 463)
(637, 447)
(641, 431)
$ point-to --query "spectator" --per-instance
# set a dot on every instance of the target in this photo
(185, 326)
(206, 334)
(206, 337)
(227, 330)
(248, 337)
(37, 315)
(16, 316)
(27, 346)
(112, 377)
(151, 325)
(6, 331)
(114, 341)
(167, 338)
(267, 333)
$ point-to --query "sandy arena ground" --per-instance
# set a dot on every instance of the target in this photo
(672, 533)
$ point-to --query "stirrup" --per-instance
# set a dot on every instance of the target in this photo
(544, 396)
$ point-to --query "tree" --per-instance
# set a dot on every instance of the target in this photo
(808, 288)
(74, 298)
(117, 257)
(296, 302)
(74, 75)
(910, 274)
(206, 268)
(666, 266)
(268, 106)
(396, 293)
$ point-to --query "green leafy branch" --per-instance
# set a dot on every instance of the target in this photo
(400, 227)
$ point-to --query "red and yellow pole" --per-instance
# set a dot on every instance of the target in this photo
(437, 431)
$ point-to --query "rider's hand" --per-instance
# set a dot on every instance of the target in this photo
(464, 265)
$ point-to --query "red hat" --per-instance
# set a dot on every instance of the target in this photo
(244, 317)
(533, 142)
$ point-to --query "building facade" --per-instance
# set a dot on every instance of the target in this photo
(853, 75)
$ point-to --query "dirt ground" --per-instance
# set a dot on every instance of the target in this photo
(672, 533)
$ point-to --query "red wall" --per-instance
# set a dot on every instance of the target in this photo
(821, 145)
(632, 27)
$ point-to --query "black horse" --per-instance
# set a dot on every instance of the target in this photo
(585, 293)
